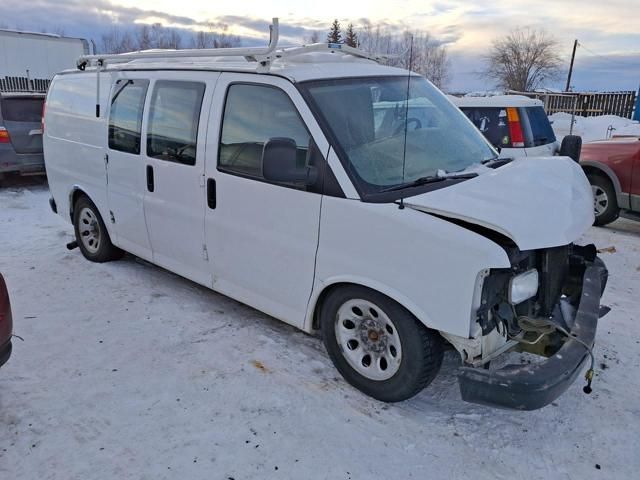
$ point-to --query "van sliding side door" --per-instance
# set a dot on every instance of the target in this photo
(174, 202)
(125, 164)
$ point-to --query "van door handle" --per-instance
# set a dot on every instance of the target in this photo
(211, 193)
(150, 182)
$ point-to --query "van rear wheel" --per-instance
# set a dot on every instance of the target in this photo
(377, 345)
(91, 233)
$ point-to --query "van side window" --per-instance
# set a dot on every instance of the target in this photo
(173, 121)
(253, 114)
(125, 117)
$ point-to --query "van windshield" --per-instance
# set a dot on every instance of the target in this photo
(367, 118)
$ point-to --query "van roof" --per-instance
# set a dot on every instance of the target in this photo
(497, 101)
(305, 66)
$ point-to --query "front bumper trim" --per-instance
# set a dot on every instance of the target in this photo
(529, 387)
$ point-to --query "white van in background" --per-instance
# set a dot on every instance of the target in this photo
(294, 181)
(517, 126)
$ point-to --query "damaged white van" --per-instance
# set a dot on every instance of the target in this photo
(340, 196)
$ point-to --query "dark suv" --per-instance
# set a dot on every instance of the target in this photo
(21, 133)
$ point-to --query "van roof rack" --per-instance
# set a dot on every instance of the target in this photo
(264, 56)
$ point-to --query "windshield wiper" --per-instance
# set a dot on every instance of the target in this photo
(429, 179)
(496, 162)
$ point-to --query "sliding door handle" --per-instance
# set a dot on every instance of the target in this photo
(150, 181)
(211, 193)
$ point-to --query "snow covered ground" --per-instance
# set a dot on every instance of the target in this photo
(593, 128)
(130, 372)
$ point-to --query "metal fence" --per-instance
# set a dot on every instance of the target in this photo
(587, 104)
(24, 84)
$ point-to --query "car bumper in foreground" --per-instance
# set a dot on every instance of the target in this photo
(532, 386)
(5, 353)
(25, 163)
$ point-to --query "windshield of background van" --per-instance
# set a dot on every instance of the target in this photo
(367, 119)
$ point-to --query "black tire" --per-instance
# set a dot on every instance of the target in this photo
(571, 147)
(421, 348)
(608, 203)
(104, 251)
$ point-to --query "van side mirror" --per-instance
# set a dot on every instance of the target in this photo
(279, 163)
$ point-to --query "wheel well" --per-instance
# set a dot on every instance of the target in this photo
(315, 324)
(75, 195)
(592, 171)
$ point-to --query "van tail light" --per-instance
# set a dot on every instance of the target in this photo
(4, 135)
(515, 128)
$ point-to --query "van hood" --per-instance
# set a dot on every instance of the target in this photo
(537, 202)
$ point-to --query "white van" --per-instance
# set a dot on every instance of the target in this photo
(266, 177)
(517, 126)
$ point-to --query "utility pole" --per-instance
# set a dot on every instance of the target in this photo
(573, 56)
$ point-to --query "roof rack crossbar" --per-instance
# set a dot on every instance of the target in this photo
(333, 47)
(249, 53)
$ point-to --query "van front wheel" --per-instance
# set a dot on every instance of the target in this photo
(378, 346)
(91, 233)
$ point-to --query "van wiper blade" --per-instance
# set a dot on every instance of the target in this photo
(496, 162)
(429, 179)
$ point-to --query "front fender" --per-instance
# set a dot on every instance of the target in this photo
(428, 265)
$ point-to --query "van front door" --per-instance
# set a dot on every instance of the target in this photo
(125, 166)
(262, 236)
(174, 182)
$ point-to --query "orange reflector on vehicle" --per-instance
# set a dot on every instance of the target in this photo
(4, 135)
(515, 129)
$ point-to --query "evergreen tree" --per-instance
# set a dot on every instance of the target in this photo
(351, 38)
(334, 35)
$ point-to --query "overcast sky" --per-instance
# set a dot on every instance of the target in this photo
(609, 32)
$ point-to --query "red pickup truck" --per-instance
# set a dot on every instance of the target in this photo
(613, 169)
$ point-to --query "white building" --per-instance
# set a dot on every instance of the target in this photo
(29, 60)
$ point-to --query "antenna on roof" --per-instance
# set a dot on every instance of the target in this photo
(406, 118)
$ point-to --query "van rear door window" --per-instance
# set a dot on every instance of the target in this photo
(22, 109)
(125, 117)
(492, 122)
(173, 121)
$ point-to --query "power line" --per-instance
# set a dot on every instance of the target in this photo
(608, 59)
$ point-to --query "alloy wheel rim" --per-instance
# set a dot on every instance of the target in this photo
(368, 339)
(89, 228)
(600, 200)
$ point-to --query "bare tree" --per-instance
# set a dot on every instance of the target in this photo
(117, 41)
(429, 57)
(211, 38)
(314, 37)
(523, 60)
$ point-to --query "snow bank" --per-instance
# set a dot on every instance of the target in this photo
(593, 128)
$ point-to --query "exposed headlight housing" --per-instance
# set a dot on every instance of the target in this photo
(523, 286)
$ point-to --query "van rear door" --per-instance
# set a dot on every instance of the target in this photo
(22, 117)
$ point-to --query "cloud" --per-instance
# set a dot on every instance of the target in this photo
(465, 26)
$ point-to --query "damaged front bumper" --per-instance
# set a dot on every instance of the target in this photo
(532, 386)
